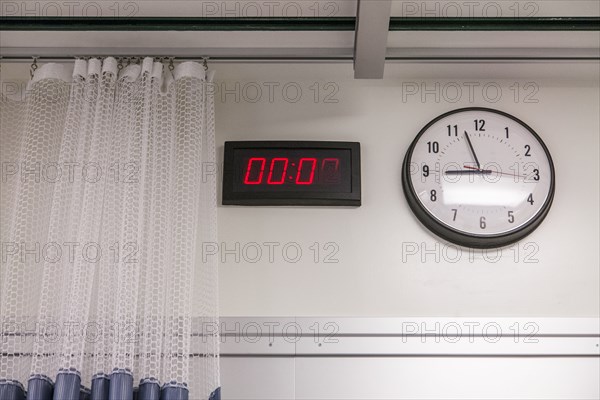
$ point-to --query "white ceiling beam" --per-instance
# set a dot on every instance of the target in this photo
(370, 44)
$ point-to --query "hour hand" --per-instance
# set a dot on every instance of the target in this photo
(472, 150)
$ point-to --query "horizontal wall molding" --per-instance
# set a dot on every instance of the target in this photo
(410, 337)
(363, 337)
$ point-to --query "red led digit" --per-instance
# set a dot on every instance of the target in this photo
(247, 179)
(328, 161)
(330, 168)
(312, 171)
(270, 180)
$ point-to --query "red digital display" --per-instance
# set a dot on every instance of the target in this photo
(291, 173)
(292, 170)
(283, 170)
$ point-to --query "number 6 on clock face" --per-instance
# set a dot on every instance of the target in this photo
(479, 178)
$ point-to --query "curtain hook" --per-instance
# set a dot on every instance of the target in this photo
(205, 63)
(34, 66)
(171, 66)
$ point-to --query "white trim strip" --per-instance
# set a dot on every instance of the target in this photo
(416, 337)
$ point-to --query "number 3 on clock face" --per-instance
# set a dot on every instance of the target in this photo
(479, 178)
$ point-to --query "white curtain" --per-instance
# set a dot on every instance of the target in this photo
(107, 193)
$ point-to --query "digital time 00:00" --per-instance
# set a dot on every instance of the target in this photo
(292, 171)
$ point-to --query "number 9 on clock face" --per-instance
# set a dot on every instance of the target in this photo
(479, 178)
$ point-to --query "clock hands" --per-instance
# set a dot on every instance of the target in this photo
(495, 172)
(472, 150)
(476, 171)
(470, 171)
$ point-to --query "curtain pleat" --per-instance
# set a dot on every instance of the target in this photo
(11, 390)
(149, 389)
(39, 387)
(104, 204)
(100, 387)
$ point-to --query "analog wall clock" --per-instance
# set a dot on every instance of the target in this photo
(479, 178)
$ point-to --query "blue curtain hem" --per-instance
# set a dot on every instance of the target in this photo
(11, 390)
(116, 386)
(216, 395)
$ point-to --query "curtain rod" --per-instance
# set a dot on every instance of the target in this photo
(302, 55)
(213, 60)
(340, 60)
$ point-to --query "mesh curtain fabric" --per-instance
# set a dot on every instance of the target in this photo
(108, 191)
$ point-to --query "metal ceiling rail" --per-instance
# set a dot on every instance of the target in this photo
(369, 54)
(11, 23)
(462, 55)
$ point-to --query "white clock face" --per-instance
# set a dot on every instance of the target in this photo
(480, 172)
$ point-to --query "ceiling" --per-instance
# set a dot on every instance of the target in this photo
(298, 8)
(369, 45)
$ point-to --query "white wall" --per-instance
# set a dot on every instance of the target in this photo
(409, 378)
(371, 278)
(554, 272)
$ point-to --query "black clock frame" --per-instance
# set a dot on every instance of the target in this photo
(459, 237)
(352, 198)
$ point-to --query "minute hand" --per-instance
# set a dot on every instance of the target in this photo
(472, 150)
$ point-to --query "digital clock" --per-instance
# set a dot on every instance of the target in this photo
(265, 173)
